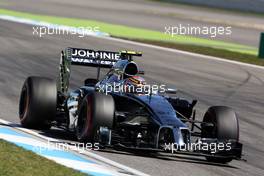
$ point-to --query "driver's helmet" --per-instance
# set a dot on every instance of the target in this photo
(135, 84)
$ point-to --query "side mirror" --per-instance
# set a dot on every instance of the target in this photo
(171, 91)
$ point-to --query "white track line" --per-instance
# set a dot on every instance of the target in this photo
(28, 131)
(113, 163)
(86, 153)
(79, 165)
(181, 52)
(23, 140)
(71, 29)
(34, 22)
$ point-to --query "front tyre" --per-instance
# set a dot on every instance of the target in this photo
(96, 110)
(38, 101)
(225, 127)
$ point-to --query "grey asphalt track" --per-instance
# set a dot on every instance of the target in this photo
(147, 14)
(212, 82)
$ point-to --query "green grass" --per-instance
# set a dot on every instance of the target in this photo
(246, 58)
(15, 161)
(135, 33)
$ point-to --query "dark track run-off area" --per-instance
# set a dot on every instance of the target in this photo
(211, 82)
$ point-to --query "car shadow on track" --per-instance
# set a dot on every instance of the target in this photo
(168, 157)
(59, 134)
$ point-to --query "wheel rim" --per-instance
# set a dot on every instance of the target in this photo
(84, 129)
(81, 123)
(89, 125)
(24, 104)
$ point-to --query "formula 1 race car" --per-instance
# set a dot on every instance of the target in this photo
(121, 110)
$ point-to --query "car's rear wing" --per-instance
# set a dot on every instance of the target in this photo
(104, 59)
(88, 57)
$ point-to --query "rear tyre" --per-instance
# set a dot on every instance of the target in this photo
(225, 127)
(38, 101)
(96, 110)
